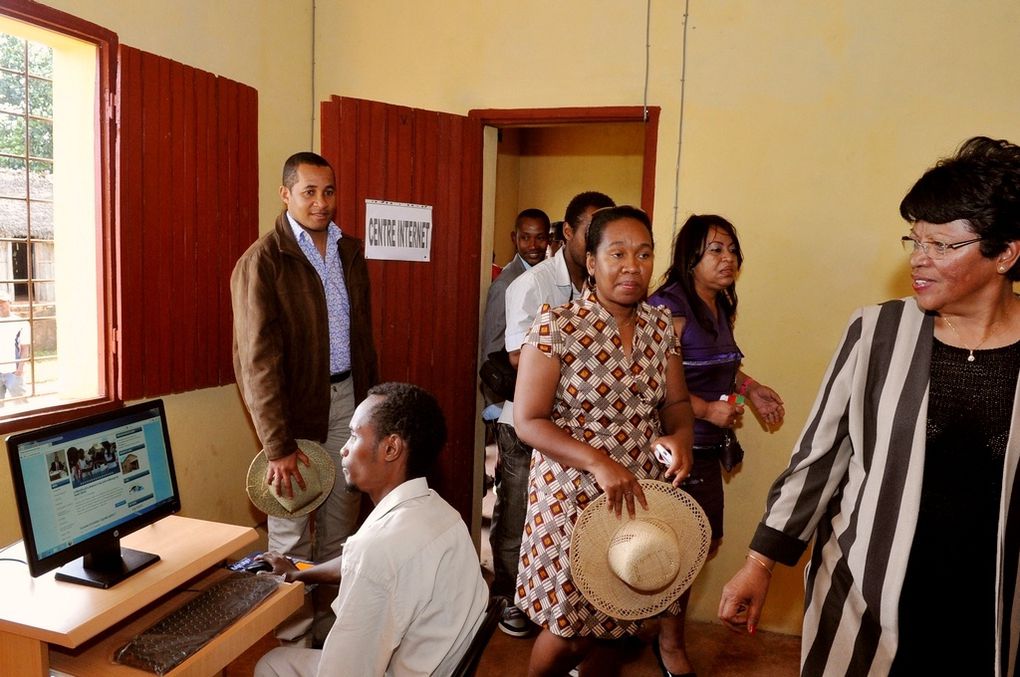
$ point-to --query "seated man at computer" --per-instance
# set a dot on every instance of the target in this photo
(411, 591)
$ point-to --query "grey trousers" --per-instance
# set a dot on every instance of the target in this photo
(336, 518)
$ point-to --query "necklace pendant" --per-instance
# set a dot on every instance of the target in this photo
(970, 358)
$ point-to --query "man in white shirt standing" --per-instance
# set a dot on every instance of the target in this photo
(15, 348)
(411, 591)
(554, 281)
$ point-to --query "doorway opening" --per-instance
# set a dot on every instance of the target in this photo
(541, 158)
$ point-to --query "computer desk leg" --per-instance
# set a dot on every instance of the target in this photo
(23, 656)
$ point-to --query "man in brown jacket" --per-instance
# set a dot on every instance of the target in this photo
(303, 350)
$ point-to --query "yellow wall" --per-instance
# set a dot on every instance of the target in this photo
(544, 167)
(263, 44)
(508, 194)
(804, 123)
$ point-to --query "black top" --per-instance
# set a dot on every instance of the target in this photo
(947, 607)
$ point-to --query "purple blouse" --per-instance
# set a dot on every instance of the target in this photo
(710, 362)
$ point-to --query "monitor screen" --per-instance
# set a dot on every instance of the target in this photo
(81, 485)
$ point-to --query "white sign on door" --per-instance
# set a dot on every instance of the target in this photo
(398, 231)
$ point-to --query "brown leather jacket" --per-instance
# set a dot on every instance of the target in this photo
(281, 337)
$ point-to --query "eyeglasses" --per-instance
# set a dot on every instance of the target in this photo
(935, 250)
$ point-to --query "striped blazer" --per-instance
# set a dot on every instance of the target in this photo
(854, 485)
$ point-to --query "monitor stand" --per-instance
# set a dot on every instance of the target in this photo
(106, 565)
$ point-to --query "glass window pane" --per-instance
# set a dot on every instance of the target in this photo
(13, 221)
(40, 179)
(12, 52)
(44, 296)
(40, 60)
(42, 218)
(12, 177)
(40, 97)
(44, 336)
(42, 260)
(12, 93)
(12, 134)
(40, 138)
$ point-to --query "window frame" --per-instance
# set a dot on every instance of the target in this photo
(106, 43)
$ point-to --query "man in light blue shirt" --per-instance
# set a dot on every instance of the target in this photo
(303, 349)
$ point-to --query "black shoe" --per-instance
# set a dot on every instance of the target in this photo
(662, 666)
(515, 622)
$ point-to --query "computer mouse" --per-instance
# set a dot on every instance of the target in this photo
(259, 565)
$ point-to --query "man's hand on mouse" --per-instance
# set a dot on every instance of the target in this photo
(280, 565)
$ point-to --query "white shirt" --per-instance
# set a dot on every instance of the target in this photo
(547, 282)
(411, 590)
(14, 331)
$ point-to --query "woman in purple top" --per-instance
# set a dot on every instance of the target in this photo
(700, 291)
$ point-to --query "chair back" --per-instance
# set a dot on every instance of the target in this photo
(469, 662)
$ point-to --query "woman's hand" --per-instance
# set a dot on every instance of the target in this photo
(767, 403)
(723, 414)
(683, 457)
(744, 596)
(620, 485)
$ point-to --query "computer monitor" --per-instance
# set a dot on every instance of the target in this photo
(82, 485)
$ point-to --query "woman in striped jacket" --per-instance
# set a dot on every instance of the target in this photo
(904, 475)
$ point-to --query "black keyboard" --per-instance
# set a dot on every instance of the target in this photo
(171, 640)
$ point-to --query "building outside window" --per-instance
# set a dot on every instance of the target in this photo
(49, 227)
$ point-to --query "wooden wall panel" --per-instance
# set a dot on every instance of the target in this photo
(425, 315)
(188, 207)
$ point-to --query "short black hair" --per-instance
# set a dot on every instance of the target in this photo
(536, 214)
(302, 158)
(556, 231)
(412, 414)
(979, 184)
(582, 201)
(603, 217)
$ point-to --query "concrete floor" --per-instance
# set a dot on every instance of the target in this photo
(714, 650)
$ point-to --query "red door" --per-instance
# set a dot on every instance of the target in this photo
(424, 315)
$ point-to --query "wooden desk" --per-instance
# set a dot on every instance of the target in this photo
(38, 612)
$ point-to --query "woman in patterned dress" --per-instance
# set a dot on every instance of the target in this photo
(600, 384)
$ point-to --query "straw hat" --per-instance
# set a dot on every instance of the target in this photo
(634, 568)
(319, 478)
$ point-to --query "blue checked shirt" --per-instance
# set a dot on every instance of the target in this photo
(338, 304)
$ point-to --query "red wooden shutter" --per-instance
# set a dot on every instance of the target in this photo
(187, 209)
(425, 315)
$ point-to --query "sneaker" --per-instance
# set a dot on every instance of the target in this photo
(515, 623)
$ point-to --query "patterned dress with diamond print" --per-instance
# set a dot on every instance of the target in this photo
(610, 401)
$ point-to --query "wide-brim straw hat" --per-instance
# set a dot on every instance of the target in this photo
(633, 568)
(319, 478)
